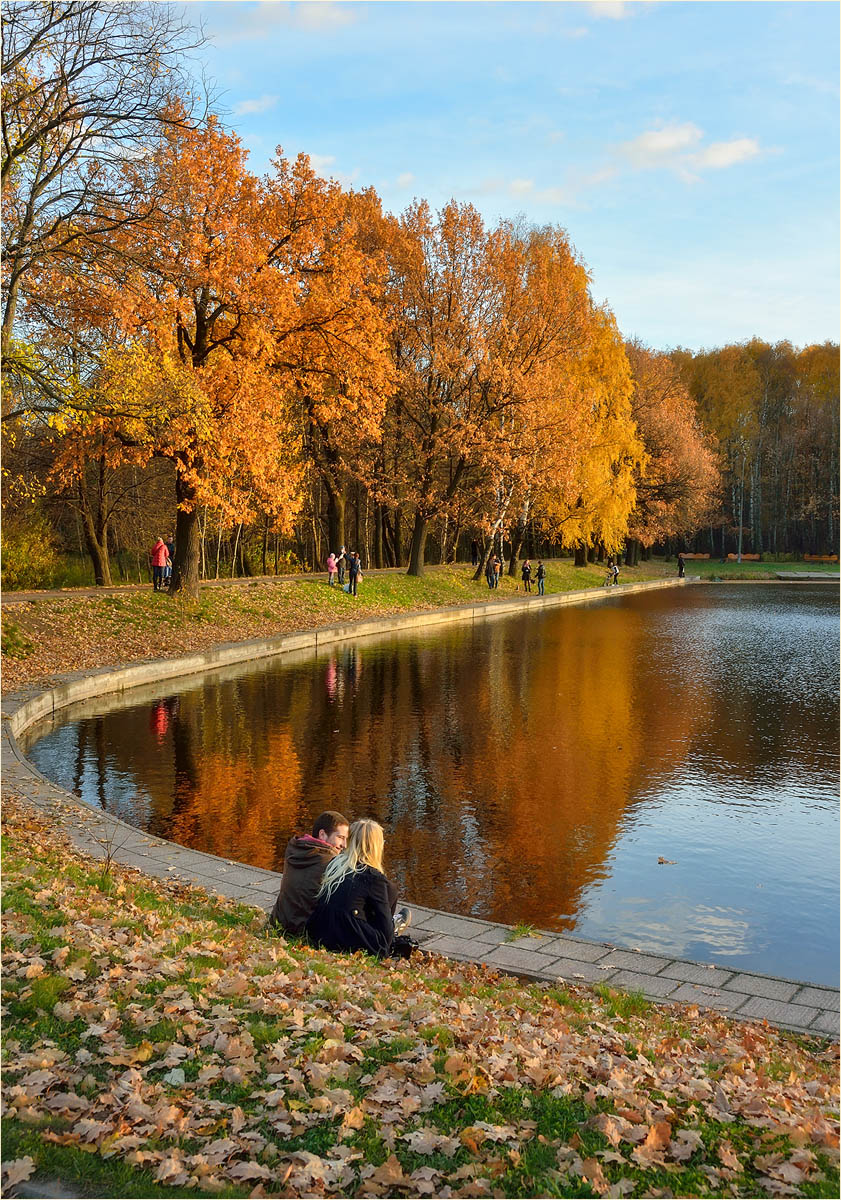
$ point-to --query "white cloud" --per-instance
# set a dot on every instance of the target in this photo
(320, 163)
(250, 24)
(677, 147)
(610, 10)
(661, 147)
(405, 180)
(519, 187)
(245, 107)
(726, 154)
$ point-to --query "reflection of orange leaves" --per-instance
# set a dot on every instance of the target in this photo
(241, 810)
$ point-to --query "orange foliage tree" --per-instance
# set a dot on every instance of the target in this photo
(588, 483)
(677, 491)
(241, 310)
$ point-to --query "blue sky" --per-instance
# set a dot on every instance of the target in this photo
(690, 150)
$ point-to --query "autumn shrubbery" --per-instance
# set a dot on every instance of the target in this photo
(29, 555)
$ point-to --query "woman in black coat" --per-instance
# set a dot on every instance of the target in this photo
(353, 908)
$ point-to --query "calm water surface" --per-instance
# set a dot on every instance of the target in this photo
(530, 768)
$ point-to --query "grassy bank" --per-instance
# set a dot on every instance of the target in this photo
(50, 636)
(159, 1042)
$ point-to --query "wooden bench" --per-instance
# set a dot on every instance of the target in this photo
(696, 556)
(745, 558)
(820, 558)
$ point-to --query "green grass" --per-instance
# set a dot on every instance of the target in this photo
(520, 931)
(89, 1173)
(620, 1003)
(15, 643)
(712, 569)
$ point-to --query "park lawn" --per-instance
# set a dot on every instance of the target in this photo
(713, 569)
(159, 1041)
(50, 636)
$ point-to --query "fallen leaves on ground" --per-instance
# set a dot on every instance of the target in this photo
(155, 1025)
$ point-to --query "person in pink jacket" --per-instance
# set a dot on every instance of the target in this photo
(159, 555)
(332, 568)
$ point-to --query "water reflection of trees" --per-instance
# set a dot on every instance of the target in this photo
(503, 758)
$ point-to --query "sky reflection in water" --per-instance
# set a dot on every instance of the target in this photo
(530, 768)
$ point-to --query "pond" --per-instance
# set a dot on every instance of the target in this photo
(533, 768)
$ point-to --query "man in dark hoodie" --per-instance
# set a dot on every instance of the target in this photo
(303, 865)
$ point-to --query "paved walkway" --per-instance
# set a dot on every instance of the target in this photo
(546, 956)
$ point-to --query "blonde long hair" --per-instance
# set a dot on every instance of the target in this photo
(364, 849)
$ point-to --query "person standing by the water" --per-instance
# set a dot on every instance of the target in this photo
(489, 571)
(331, 568)
(681, 566)
(526, 573)
(354, 572)
(304, 864)
(497, 566)
(341, 562)
(170, 555)
(158, 554)
(541, 576)
(474, 553)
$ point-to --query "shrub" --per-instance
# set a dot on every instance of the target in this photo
(29, 555)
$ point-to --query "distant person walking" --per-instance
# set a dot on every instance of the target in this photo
(341, 563)
(497, 566)
(489, 571)
(681, 566)
(354, 572)
(331, 569)
(541, 576)
(526, 574)
(615, 571)
(170, 555)
(158, 555)
(474, 553)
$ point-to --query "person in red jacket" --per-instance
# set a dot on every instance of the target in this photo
(304, 863)
(159, 555)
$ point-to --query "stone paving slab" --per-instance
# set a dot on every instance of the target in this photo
(631, 960)
(709, 997)
(700, 973)
(797, 1016)
(650, 985)
(577, 970)
(762, 985)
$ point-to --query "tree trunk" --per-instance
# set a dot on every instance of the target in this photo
(335, 517)
(417, 547)
(398, 538)
(378, 536)
(185, 569)
(97, 551)
(580, 554)
(95, 533)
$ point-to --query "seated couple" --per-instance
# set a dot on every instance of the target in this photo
(334, 889)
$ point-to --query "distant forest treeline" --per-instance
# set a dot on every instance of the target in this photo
(272, 367)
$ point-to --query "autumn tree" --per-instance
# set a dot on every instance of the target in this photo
(588, 484)
(677, 491)
(86, 87)
(236, 305)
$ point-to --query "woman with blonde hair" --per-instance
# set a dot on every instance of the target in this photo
(353, 908)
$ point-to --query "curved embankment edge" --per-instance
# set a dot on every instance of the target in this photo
(545, 956)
